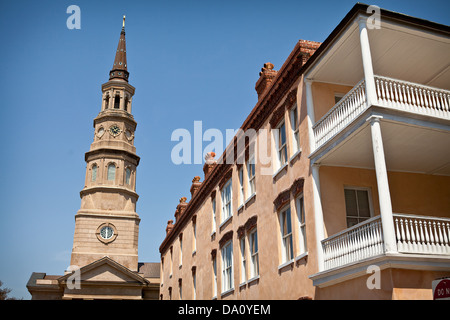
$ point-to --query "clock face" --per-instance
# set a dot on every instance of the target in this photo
(114, 130)
(107, 232)
(100, 132)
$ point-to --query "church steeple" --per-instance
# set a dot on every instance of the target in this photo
(119, 70)
(107, 223)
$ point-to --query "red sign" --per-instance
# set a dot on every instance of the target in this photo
(441, 289)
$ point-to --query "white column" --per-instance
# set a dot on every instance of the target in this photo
(318, 216)
(310, 115)
(384, 195)
(367, 62)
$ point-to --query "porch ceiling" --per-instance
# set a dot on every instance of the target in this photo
(407, 148)
(398, 51)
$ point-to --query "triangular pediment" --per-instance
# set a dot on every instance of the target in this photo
(107, 270)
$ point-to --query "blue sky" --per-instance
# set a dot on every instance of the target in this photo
(189, 60)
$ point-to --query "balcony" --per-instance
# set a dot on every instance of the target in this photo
(392, 94)
(414, 235)
(423, 243)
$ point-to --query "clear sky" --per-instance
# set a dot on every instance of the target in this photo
(189, 60)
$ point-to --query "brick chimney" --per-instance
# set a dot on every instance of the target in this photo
(169, 226)
(195, 185)
(266, 77)
(210, 163)
(180, 209)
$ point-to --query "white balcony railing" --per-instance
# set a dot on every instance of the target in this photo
(422, 234)
(390, 93)
(414, 234)
(361, 241)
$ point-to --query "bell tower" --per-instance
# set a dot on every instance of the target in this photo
(107, 223)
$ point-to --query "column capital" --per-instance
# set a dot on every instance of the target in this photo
(308, 81)
(362, 21)
(374, 118)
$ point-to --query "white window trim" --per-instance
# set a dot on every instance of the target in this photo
(253, 254)
(302, 241)
(226, 290)
(213, 211)
(369, 195)
(284, 254)
(295, 131)
(251, 179)
(241, 186)
(224, 205)
(243, 260)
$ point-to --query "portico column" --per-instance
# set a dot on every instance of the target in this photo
(384, 195)
(310, 115)
(367, 62)
(318, 216)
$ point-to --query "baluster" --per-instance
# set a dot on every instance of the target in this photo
(382, 91)
(441, 238)
(399, 237)
(401, 90)
(364, 252)
(379, 97)
(434, 108)
(379, 237)
(408, 93)
(432, 245)
(419, 238)
(402, 230)
(413, 236)
(397, 98)
(446, 236)
(390, 94)
(436, 238)
(421, 103)
(408, 238)
(414, 100)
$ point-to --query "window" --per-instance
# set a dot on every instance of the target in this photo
(117, 102)
(338, 97)
(194, 285)
(286, 235)
(301, 222)
(215, 277)
(358, 205)
(280, 143)
(226, 201)
(181, 249)
(241, 186)
(294, 127)
(180, 288)
(127, 175)
(243, 261)
(94, 172)
(194, 236)
(227, 267)
(171, 262)
(213, 215)
(111, 172)
(253, 240)
(251, 176)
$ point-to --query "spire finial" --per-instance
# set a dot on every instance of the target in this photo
(123, 23)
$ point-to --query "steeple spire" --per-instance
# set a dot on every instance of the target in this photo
(119, 70)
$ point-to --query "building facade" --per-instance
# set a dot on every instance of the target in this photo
(337, 186)
(104, 261)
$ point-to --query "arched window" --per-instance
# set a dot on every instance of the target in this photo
(117, 102)
(111, 171)
(127, 175)
(94, 172)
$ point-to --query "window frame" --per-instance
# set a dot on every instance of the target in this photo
(301, 219)
(295, 129)
(226, 214)
(254, 256)
(251, 178)
(111, 165)
(227, 275)
(287, 253)
(369, 200)
(243, 260)
(241, 186)
(281, 148)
